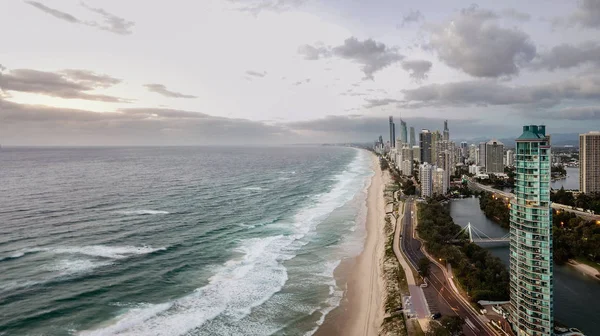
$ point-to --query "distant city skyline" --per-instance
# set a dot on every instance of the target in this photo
(102, 72)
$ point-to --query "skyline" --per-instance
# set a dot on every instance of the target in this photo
(297, 71)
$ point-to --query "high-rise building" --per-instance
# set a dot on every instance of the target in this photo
(425, 175)
(439, 181)
(446, 131)
(464, 149)
(481, 161)
(392, 132)
(436, 138)
(417, 153)
(477, 157)
(403, 131)
(510, 158)
(589, 162)
(425, 145)
(472, 154)
(407, 160)
(494, 157)
(412, 136)
(531, 274)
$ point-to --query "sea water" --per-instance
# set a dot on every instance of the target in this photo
(176, 240)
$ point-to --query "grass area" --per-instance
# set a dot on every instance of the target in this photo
(417, 328)
(396, 286)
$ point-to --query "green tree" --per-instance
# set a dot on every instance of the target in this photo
(424, 265)
(454, 324)
(436, 329)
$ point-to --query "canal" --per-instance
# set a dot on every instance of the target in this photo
(571, 182)
(576, 296)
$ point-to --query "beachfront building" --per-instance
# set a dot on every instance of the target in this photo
(446, 131)
(403, 131)
(407, 160)
(425, 174)
(412, 136)
(531, 273)
(589, 162)
(494, 157)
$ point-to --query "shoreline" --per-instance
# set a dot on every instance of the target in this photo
(361, 310)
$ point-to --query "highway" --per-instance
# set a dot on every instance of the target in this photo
(556, 206)
(437, 279)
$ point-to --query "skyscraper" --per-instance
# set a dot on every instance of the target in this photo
(589, 162)
(425, 175)
(481, 161)
(425, 145)
(403, 131)
(464, 150)
(446, 131)
(531, 279)
(392, 132)
(494, 157)
(510, 159)
(412, 136)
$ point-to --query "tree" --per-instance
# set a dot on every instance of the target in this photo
(454, 324)
(436, 329)
(424, 264)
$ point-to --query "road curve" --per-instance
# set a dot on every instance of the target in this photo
(437, 279)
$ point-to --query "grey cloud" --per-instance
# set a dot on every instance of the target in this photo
(161, 89)
(372, 55)
(587, 14)
(474, 43)
(314, 53)
(418, 69)
(566, 56)
(306, 81)
(56, 13)
(112, 23)
(516, 15)
(257, 6)
(91, 78)
(376, 102)
(490, 92)
(574, 113)
(256, 73)
(34, 125)
(69, 84)
(412, 16)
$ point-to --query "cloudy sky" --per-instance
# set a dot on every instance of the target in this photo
(111, 72)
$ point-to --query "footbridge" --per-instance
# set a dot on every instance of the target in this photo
(479, 237)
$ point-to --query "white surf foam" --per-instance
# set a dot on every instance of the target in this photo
(254, 188)
(243, 283)
(143, 212)
(75, 266)
(238, 286)
(102, 251)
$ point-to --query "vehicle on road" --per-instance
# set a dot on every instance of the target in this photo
(436, 316)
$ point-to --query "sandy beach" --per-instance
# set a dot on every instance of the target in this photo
(361, 311)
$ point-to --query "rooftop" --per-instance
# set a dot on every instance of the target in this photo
(533, 132)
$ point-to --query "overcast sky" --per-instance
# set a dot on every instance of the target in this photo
(113, 72)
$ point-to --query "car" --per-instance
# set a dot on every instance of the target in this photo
(436, 316)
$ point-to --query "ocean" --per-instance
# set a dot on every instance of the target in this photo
(176, 240)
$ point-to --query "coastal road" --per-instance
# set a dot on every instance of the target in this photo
(437, 279)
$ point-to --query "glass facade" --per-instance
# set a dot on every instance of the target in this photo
(531, 266)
